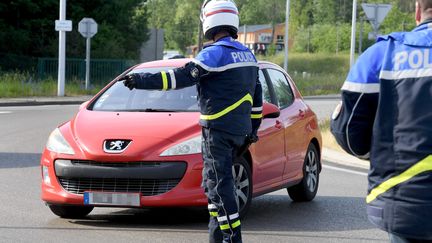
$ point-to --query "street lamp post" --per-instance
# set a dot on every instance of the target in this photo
(286, 34)
(62, 52)
(353, 32)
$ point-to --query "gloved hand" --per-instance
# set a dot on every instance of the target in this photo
(130, 81)
(252, 138)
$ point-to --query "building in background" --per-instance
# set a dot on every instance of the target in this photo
(258, 38)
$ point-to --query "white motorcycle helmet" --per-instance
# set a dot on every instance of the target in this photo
(219, 15)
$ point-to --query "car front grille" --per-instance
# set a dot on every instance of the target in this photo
(147, 178)
(147, 187)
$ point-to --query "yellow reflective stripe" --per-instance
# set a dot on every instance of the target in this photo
(247, 97)
(164, 80)
(214, 214)
(420, 167)
(224, 226)
(235, 224)
(256, 116)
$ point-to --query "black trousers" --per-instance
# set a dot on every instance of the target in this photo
(219, 150)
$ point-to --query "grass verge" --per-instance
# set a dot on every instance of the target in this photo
(315, 73)
(327, 137)
(14, 85)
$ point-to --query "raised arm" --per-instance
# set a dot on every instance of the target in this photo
(177, 78)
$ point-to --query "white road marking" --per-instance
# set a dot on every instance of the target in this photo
(345, 170)
(5, 112)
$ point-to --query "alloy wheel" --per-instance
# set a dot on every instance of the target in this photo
(241, 184)
(311, 170)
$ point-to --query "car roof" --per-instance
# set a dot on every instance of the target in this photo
(182, 61)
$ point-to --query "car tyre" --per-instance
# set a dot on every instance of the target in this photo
(307, 189)
(71, 212)
(242, 176)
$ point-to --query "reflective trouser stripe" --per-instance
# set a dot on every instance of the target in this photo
(256, 116)
(213, 210)
(164, 80)
(247, 97)
(420, 167)
(227, 226)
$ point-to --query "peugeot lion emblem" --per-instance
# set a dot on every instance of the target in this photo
(115, 146)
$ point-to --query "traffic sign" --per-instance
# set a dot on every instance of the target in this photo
(63, 25)
(87, 27)
(376, 13)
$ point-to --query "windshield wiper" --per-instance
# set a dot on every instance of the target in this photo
(150, 110)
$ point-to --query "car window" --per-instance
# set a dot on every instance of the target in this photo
(265, 89)
(120, 98)
(284, 94)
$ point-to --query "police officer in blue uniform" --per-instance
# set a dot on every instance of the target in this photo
(230, 99)
(386, 115)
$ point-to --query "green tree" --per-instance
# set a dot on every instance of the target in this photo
(325, 12)
(27, 27)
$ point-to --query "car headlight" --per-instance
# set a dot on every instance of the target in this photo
(58, 144)
(191, 146)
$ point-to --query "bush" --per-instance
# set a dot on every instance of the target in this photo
(329, 38)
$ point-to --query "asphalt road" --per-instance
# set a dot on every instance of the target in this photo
(336, 215)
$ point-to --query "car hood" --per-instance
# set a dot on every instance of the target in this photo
(149, 131)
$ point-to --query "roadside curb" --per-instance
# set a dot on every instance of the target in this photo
(344, 159)
(38, 101)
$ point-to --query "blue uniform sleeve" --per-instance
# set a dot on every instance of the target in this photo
(177, 78)
(352, 121)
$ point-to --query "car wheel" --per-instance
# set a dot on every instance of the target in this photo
(243, 184)
(308, 187)
(71, 212)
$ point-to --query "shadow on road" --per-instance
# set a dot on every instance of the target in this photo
(268, 213)
(19, 160)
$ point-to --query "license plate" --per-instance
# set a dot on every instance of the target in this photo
(112, 199)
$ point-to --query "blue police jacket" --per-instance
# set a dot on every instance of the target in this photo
(386, 115)
(229, 92)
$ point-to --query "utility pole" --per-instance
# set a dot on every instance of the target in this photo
(287, 14)
(361, 36)
(353, 32)
(244, 35)
(337, 38)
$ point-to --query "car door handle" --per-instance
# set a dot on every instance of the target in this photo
(278, 124)
(302, 113)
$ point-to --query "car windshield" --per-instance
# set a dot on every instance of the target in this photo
(120, 98)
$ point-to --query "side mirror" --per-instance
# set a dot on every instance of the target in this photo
(270, 111)
(84, 105)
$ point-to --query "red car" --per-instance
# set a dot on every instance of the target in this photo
(142, 148)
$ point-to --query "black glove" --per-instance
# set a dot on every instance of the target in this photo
(250, 139)
(130, 80)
